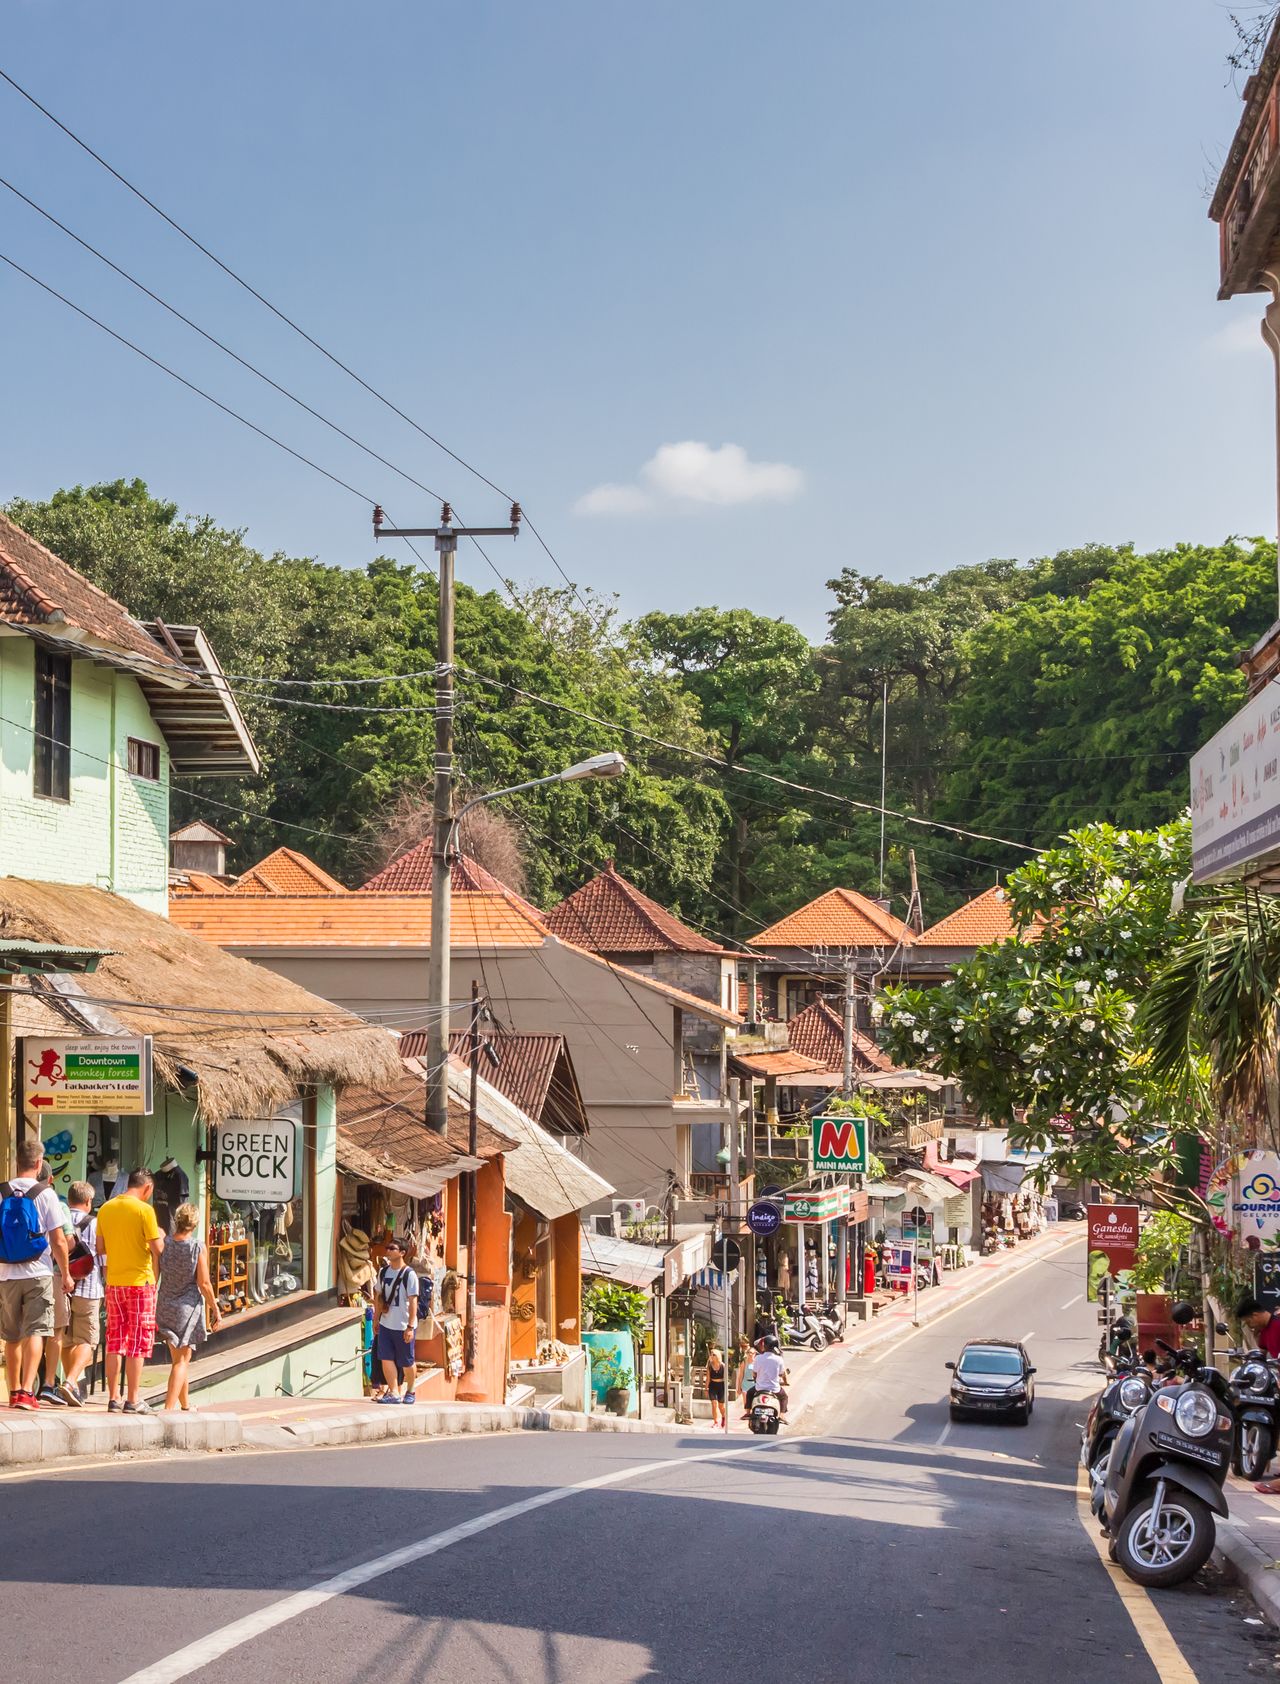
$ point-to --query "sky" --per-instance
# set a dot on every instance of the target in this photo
(730, 295)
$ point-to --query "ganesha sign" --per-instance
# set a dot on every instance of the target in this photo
(1113, 1248)
(1243, 1197)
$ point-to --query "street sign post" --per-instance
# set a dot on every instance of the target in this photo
(103, 1074)
(839, 1145)
(726, 1254)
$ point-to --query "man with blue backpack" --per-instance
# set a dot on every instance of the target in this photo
(31, 1234)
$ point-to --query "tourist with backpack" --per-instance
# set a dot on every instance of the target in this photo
(395, 1318)
(31, 1233)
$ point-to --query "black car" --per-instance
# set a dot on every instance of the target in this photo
(992, 1377)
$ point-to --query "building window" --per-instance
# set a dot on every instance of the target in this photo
(53, 726)
(144, 759)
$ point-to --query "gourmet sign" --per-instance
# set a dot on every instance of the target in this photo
(256, 1161)
(1243, 1196)
(1113, 1246)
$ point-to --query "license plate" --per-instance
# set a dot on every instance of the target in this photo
(1194, 1452)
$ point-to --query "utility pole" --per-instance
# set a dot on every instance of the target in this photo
(735, 1209)
(446, 537)
(850, 1007)
(915, 910)
(884, 766)
(473, 1059)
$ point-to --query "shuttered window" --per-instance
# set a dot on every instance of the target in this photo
(52, 776)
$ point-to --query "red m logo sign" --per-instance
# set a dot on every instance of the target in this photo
(837, 1138)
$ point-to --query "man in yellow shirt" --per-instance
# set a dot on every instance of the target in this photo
(129, 1238)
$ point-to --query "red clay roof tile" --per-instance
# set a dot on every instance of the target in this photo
(840, 918)
(610, 915)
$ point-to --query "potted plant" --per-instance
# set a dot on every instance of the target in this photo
(618, 1397)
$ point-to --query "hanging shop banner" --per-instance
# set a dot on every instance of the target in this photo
(764, 1217)
(257, 1161)
(839, 1145)
(1243, 1197)
(816, 1207)
(1113, 1248)
(106, 1074)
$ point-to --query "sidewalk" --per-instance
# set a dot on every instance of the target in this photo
(1249, 1542)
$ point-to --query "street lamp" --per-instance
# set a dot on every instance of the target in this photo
(607, 765)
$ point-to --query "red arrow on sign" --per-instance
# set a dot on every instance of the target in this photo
(40, 1099)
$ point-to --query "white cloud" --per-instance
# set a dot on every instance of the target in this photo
(612, 500)
(1239, 336)
(694, 472)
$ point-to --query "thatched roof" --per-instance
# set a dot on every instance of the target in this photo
(252, 1039)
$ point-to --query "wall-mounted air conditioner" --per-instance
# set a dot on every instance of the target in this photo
(628, 1210)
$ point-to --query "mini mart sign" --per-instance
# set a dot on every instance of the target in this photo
(839, 1144)
(107, 1075)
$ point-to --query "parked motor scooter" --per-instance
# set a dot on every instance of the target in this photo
(766, 1413)
(1166, 1472)
(1128, 1390)
(801, 1328)
(1257, 1387)
(829, 1319)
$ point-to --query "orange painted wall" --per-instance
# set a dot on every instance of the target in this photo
(566, 1278)
(524, 1292)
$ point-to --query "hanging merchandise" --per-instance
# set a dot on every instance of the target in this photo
(452, 1328)
(355, 1270)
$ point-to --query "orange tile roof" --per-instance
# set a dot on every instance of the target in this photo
(195, 883)
(977, 923)
(840, 918)
(778, 1064)
(349, 920)
(287, 872)
(38, 588)
(410, 874)
(610, 915)
(818, 1033)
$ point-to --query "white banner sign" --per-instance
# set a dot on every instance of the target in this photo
(1235, 790)
(256, 1161)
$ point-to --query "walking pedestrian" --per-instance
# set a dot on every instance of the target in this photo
(717, 1374)
(84, 1331)
(395, 1324)
(30, 1236)
(183, 1296)
(129, 1238)
(49, 1392)
(746, 1374)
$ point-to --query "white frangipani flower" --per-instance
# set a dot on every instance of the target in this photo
(1024, 1014)
(1088, 1024)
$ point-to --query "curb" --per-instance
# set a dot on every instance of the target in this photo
(1245, 1561)
(30, 1442)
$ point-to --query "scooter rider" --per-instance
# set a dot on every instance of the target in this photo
(769, 1374)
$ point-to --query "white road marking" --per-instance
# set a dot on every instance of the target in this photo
(202, 1653)
(945, 1434)
(1027, 1336)
(1071, 1301)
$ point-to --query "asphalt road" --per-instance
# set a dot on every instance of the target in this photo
(877, 1543)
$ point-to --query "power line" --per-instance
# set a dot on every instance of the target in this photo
(289, 322)
(747, 771)
(183, 381)
(211, 339)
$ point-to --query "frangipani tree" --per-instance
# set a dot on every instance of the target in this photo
(1043, 1031)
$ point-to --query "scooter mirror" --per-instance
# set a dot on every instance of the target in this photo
(1221, 1327)
(948, 1365)
(1182, 1314)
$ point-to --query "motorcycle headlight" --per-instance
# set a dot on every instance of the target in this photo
(1196, 1414)
(1133, 1394)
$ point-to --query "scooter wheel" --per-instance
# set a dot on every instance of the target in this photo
(1181, 1547)
(1256, 1449)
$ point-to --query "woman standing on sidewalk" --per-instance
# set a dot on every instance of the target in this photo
(184, 1293)
(717, 1374)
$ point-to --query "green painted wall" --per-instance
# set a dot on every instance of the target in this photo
(114, 831)
(329, 1366)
